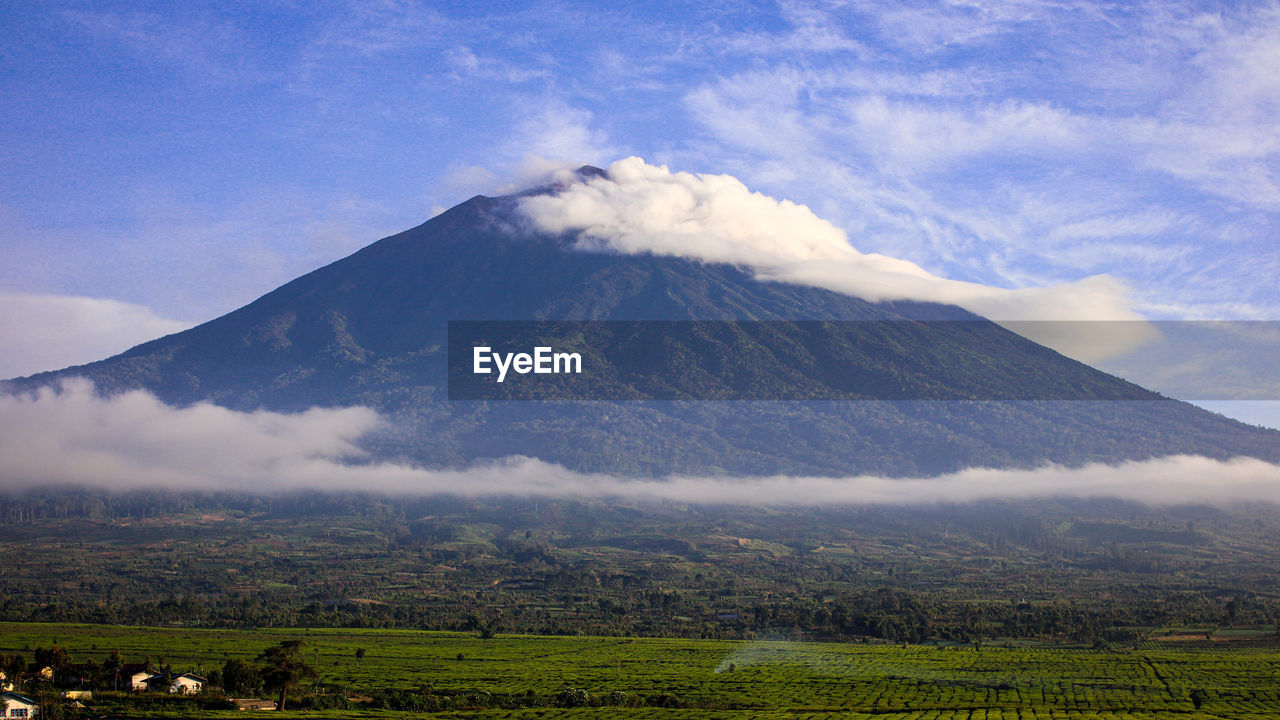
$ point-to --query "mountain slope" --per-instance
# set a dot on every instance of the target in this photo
(371, 329)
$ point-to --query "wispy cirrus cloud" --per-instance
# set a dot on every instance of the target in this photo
(377, 27)
(208, 47)
(469, 67)
(1028, 127)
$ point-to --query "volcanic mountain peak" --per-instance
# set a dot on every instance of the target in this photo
(372, 330)
(589, 171)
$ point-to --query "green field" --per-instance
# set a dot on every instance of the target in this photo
(767, 679)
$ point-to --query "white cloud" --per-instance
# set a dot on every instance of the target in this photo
(928, 137)
(641, 208)
(557, 134)
(467, 66)
(50, 332)
(73, 436)
(934, 26)
(1164, 481)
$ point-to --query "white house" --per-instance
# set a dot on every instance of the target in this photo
(138, 681)
(187, 684)
(17, 706)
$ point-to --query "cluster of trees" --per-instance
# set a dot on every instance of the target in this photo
(53, 665)
(281, 669)
(594, 608)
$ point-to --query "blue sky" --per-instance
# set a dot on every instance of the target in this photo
(168, 162)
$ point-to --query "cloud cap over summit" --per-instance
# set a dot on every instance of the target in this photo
(635, 207)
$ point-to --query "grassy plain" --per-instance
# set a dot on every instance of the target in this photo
(728, 679)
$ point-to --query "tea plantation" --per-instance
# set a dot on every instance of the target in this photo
(403, 672)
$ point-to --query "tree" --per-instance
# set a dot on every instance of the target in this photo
(55, 657)
(285, 668)
(240, 677)
(359, 655)
(12, 667)
(112, 671)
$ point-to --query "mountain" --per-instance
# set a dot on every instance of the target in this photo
(889, 388)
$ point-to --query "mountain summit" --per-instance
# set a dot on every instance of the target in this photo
(372, 329)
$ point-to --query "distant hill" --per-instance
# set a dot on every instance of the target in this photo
(371, 329)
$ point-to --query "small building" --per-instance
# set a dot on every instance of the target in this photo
(18, 706)
(138, 680)
(254, 704)
(184, 684)
(187, 684)
(128, 675)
